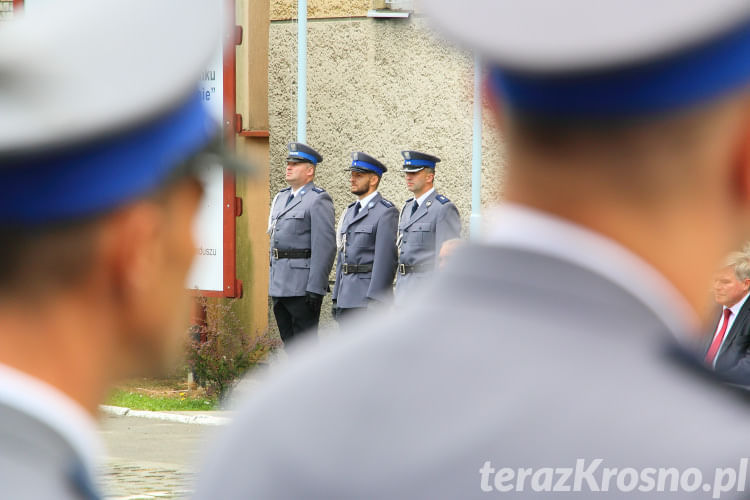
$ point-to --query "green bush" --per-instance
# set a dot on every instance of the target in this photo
(221, 350)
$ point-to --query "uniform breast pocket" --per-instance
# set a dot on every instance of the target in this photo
(423, 234)
(299, 225)
(364, 235)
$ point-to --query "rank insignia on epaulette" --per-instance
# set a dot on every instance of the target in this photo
(442, 199)
(386, 203)
(318, 190)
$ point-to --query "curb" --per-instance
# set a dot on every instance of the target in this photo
(169, 417)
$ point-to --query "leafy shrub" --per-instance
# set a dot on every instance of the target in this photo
(221, 350)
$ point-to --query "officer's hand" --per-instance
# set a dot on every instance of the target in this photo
(313, 300)
(334, 310)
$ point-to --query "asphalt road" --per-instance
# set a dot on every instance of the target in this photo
(149, 458)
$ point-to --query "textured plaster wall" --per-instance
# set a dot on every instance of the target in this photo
(287, 9)
(379, 86)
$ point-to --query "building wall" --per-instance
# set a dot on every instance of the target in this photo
(379, 86)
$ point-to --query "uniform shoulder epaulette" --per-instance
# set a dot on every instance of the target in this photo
(318, 190)
(407, 201)
(387, 203)
(442, 199)
(352, 204)
(286, 189)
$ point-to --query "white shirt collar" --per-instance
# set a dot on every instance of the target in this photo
(736, 308)
(421, 199)
(55, 409)
(364, 201)
(524, 227)
(294, 192)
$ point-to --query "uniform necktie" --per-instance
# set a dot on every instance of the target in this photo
(414, 207)
(291, 197)
(356, 209)
(714, 349)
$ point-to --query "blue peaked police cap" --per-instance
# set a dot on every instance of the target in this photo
(302, 153)
(362, 162)
(604, 58)
(414, 161)
(77, 142)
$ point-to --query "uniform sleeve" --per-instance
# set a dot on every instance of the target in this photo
(386, 256)
(448, 226)
(322, 244)
(338, 256)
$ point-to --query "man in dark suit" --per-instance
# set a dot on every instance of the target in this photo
(728, 349)
(367, 253)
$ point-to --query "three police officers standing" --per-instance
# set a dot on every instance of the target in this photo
(427, 221)
(367, 252)
(374, 242)
(303, 245)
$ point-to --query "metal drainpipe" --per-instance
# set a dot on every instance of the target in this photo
(302, 70)
(476, 155)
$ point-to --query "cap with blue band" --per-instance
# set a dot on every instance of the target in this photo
(362, 162)
(689, 77)
(414, 161)
(302, 153)
(95, 177)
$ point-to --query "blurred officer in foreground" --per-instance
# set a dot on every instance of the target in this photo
(427, 221)
(98, 191)
(303, 245)
(367, 257)
(552, 355)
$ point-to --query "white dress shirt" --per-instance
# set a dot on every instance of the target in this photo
(52, 407)
(735, 311)
(523, 227)
(364, 201)
(421, 199)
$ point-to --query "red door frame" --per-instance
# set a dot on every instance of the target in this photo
(232, 207)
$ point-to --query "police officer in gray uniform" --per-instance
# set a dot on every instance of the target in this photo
(427, 221)
(367, 254)
(303, 245)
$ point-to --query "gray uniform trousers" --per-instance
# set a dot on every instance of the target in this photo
(367, 239)
(509, 357)
(37, 463)
(420, 237)
(306, 223)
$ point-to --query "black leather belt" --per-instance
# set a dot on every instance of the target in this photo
(291, 254)
(356, 268)
(421, 268)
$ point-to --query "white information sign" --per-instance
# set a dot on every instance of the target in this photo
(207, 272)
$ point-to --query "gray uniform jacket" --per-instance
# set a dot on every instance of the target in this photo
(37, 463)
(509, 357)
(369, 239)
(421, 236)
(307, 223)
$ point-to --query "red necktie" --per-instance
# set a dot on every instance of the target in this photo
(714, 349)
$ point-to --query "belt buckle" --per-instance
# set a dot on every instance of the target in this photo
(345, 268)
(402, 268)
(276, 253)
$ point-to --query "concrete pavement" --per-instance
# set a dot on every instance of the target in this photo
(150, 458)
